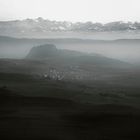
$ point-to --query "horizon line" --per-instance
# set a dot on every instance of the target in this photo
(37, 18)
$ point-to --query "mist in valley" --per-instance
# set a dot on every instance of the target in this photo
(123, 49)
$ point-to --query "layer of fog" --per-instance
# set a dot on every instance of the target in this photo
(128, 50)
(112, 35)
(125, 53)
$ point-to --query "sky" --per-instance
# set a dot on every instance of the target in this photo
(71, 10)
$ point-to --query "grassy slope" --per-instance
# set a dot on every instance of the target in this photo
(36, 108)
(54, 118)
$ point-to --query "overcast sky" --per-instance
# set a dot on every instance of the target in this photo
(71, 10)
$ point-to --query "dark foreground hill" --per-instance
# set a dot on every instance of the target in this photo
(35, 107)
(53, 118)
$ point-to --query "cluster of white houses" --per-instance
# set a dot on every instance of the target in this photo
(54, 74)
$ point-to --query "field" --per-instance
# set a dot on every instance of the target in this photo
(34, 107)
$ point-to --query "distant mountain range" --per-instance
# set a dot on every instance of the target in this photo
(41, 25)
